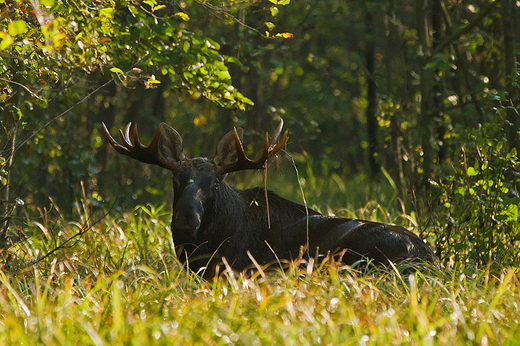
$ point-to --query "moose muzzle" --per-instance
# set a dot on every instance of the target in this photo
(188, 210)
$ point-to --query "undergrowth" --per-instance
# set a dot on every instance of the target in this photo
(118, 282)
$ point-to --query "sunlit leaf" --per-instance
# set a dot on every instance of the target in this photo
(7, 40)
(106, 12)
(285, 35)
(471, 171)
(17, 27)
(183, 16)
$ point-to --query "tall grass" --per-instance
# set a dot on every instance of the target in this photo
(119, 283)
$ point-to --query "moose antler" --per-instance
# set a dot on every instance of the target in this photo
(146, 154)
(271, 148)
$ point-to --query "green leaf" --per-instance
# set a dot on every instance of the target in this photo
(106, 12)
(223, 74)
(152, 191)
(17, 27)
(151, 3)
(461, 190)
(185, 46)
(151, 82)
(274, 11)
(182, 16)
(248, 101)
(234, 60)
(471, 171)
(6, 41)
(116, 70)
(269, 25)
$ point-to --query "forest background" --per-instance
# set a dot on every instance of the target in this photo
(406, 112)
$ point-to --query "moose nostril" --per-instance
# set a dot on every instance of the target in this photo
(187, 221)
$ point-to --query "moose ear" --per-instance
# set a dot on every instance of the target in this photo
(170, 144)
(227, 148)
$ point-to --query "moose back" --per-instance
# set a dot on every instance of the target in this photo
(212, 220)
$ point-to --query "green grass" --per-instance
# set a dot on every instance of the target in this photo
(119, 283)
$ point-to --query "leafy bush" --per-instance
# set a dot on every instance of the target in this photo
(478, 217)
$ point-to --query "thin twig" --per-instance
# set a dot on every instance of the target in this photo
(26, 88)
(61, 114)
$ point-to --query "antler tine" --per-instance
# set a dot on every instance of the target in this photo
(146, 154)
(136, 138)
(242, 162)
(125, 136)
(270, 149)
(280, 144)
(120, 149)
(276, 134)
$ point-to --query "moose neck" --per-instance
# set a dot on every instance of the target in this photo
(239, 220)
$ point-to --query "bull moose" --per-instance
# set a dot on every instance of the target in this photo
(212, 220)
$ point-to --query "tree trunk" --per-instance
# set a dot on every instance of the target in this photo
(371, 93)
(426, 127)
(437, 90)
(513, 119)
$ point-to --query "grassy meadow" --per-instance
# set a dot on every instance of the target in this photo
(113, 279)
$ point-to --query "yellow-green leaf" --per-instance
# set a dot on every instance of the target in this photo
(106, 12)
(182, 16)
(7, 40)
(472, 171)
(116, 70)
(17, 27)
(185, 46)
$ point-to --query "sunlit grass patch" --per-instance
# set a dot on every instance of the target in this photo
(122, 284)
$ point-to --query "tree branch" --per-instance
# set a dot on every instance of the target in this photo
(485, 12)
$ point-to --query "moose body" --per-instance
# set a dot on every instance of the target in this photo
(212, 220)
